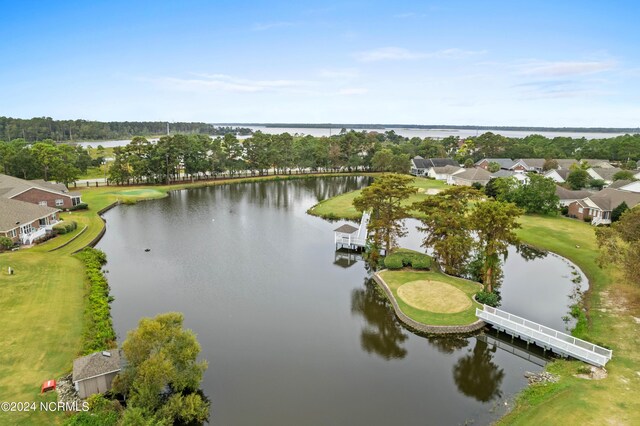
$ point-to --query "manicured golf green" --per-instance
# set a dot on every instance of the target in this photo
(433, 298)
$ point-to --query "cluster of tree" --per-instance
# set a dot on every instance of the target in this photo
(620, 243)
(490, 145)
(469, 235)
(142, 160)
(39, 128)
(43, 160)
(535, 195)
(160, 381)
(463, 230)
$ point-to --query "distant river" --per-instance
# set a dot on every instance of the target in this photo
(296, 333)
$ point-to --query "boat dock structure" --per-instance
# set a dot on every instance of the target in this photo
(350, 237)
(545, 337)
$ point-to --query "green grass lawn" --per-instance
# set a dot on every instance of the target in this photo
(614, 320)
(341, 206)
(395, 279)
(42, 307)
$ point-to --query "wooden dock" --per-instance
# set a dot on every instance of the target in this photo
(545, 337)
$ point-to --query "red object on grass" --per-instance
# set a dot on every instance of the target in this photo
(47, 386)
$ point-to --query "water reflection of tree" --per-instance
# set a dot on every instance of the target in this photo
(476, 375)
(448, 344)
(530, 253)
(382, 335)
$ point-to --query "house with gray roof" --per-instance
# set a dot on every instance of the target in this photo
(568, 196)
(421, 166)
(599, 206)
(504, 163)
(558, 175)
(38, 192)
(443, 173)
(25, 223)
(470, 176)
(605, 174)
(94, 373)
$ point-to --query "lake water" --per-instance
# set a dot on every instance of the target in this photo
(296, 333)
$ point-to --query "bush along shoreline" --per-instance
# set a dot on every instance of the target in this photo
(98, 333)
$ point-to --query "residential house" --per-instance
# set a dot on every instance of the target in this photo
(567, 163)
(94, 373)
(605, 174)
(599, 206)
(567, 196)
(630, 186)
(470, 176)
(23, 222)
(421, 166)
(519, 175)
(443, 173)
(559, 175)
(532, 164)
(38, 192)
(618, 184)
(505, 163)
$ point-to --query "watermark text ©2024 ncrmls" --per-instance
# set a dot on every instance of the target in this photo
(20, 407)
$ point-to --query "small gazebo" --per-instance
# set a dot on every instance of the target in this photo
(345, 236)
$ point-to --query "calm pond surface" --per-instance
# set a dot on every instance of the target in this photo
(297, 334)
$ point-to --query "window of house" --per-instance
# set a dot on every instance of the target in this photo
(42, 203)
(580, 210)
(59, 202)
(26, 229)
(13, 233)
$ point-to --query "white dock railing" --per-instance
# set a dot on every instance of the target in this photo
(545, 337)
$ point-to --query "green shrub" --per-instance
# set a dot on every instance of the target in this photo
(393, 262)
(486, 298)
(70, 226)
(60, 228)
(564, 210)
(587, 218)
(81, 206)
(6, 243)
(421, 263)
(98, 331)
(409, 258)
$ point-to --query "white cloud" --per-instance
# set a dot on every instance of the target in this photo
(402, 54)
(566, 68)
(227, 83)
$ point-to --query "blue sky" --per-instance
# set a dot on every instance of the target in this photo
(564, 63)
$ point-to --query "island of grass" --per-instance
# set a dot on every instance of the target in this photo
(427, 300)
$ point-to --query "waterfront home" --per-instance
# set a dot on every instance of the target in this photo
(568, 196)
(94, 373)
(470, 176)
(24, 222)
(38, 192)
(443, 173)
(599, 206)
(603, 173)
(420, 166)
